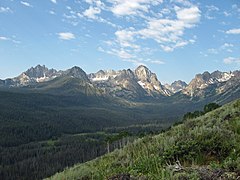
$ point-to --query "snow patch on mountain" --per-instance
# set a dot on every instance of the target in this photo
(141, 84)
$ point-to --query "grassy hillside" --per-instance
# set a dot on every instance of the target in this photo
(207, 147)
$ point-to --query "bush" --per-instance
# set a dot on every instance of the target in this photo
(210, 107)
(191, 115)
(207, 108)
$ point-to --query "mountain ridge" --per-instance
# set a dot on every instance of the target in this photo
(130, 84)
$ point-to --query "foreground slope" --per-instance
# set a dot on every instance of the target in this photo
(203, 148)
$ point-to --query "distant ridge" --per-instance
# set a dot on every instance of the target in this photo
(138, 84)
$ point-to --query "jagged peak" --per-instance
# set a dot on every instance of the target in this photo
(76, 72)
(217, 71)
(179, 82)
(76, 67)
(206, 73)
(125, 74)
(144, 69)
(100, 72)
(39, 71)
(143, 73)
(39, 66)
(214, 76)
(110, 71)
(142, 66)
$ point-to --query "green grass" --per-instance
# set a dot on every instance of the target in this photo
(201, 145)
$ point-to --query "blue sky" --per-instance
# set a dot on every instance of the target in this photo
(176, 39)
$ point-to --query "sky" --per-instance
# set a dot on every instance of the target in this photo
(176, 39)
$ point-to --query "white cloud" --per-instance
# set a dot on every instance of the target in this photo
(168, 32)
(3, 38)
(212, 8)
(192, 41)
(109, 43)
(93, 2)
(5, 10)
(26, 4)
(54, 1)
(226, 45)
(233, 31)
(227, 13)
(124, 37)
(165, 11)
(211, 12)
(212, 51)
(91, 12)
(236, 7)
(66, 36)
(96, 3)
(209, 17)
(181, 44)
(128, 8)
(135, 62)
(121, 53)
(16, 41)
(189, 16)
(231, 60)
(182, 2)
(166, 26)
(100, 49)
(52, 12)
(163, 30)
(102, 20)
(167, 48)
(124, 54)
(133, 7)
(157, 62)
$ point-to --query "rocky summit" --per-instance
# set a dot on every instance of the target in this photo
(176, 86)
(211, 83)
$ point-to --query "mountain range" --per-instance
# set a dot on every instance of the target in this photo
(128, 84)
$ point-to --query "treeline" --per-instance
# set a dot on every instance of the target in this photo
(119, 140)
(207, 108)
(42, 159)
(20, 126)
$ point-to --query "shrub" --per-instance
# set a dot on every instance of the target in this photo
(210, 107)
